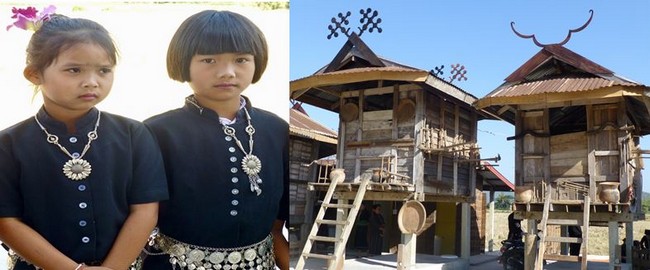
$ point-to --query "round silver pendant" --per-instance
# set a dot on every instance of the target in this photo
(77, 169)
(251, 164)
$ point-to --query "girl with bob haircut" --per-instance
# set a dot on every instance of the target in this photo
(226, 161)
(79, 188)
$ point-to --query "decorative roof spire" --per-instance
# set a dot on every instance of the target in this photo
(568, 36)
(370, 22)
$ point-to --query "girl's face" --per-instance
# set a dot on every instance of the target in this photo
(221, 77)
(79, 78)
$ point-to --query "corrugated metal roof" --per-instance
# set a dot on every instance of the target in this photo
(363, 70)
(493, 179)
(302, 125)
(557, 85)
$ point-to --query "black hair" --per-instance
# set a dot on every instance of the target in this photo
(59, 33)
(215, 32)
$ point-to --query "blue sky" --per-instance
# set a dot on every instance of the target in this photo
(425, 34)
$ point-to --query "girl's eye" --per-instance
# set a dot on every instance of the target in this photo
(243, 60)
(208, 61)
(105, 70)
(73, 70)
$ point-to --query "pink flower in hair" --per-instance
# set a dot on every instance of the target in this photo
(29, 18)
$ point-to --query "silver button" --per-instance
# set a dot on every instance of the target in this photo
(83, 205)
(228, 138)
(231, 149)
(233, 212)
(235, 191)
(234, 179)
(233, 170)
(234, 202)
(83, 223)
(81, 187)
(75, 155)
(85, 239)
(233, 159)
(73, 139)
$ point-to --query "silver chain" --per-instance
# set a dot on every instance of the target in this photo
(53, 139)
(230, 131)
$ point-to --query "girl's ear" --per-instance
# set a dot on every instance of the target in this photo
(32, 75)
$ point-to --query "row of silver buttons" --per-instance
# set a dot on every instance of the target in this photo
(234, 179)
(81, 187)
(82, 205)
(74, 140)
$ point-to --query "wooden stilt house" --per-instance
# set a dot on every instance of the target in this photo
(578, 159)
(309, 141)
(404, 134)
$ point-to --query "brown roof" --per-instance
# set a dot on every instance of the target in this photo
(556, 85)
(359, 75)
(303, 126)
(561, 53)
(356, 66)
(555, 70)
(493, 179)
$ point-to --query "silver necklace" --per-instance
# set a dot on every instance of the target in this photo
(251, 164)
(76, 168)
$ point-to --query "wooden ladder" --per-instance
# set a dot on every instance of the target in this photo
(348, 224)
(579, 220)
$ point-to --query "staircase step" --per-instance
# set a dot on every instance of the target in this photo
(567, 222)
(324, 239)
(563, 258)
(334, 205)
(319, 256)
(573, 240)
(331, 222)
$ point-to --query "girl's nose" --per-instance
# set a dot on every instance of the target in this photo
(90, 82)
(227, 70)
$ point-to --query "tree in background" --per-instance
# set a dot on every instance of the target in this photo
(503, 201)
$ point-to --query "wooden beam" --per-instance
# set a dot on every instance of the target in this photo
(405, 87)
(546, 98)
(418, 155)
(569, 103)
(504, 109)
(451, 90)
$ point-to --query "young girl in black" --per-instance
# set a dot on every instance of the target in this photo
(226, 161)
(79, 188)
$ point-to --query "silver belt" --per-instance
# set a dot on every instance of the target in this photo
(257, 256)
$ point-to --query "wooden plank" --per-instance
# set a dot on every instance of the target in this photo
(537, 113)
(606, 153)
(381, 90)
(564, 222)
(569, 103)
(418, 156)
(563, 239)
(539, 265)
(585, 234)
(357, 165)
(613, 243)
(386, 126)
(396, 98)
(563, 258)
(378, 115)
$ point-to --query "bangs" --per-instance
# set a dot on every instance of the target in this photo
(221, 35)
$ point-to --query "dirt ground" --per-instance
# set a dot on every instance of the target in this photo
(598, 236)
